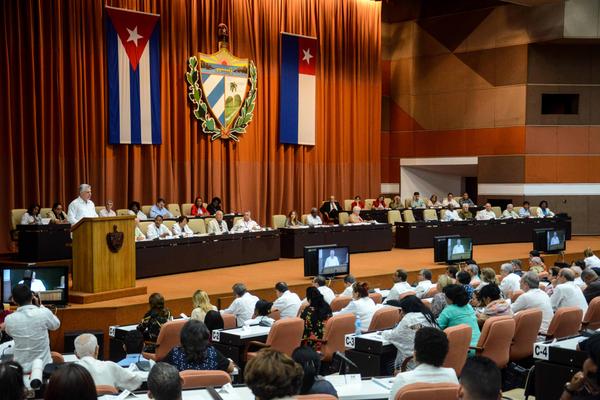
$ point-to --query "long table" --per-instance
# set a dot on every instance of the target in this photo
(174, 256)
(360, 238)
(420, 234)
(44, 242)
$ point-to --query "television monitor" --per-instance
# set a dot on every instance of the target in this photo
(460, 249)
(440, 248)
(549, 240)
(311, 259)
(50, 283)
(327, 260)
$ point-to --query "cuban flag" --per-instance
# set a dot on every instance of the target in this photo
(132, 40)
(298, 90)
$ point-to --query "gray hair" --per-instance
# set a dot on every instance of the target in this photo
(576, 270)
(506, 267)
(474, 268)
(239, 289)
(567, 274)
(589, 273)
(531, 279)
(164, 382)
(517, 263)
(536, 261)
(85, 345)
(84, 187)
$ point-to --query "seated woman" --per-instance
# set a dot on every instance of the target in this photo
(433, 202)
(491, 302)
(379, 204)
(57, 214)
(107, 211)
(439, 299)
(413, 316)
(292, 220)
(139, 235)
(153, 320)
(459, 311)
(195, 352)
(202, 305)
(488, 276)
(181, 228)
(355, 218)
(314, 315)
(396, 204)
(32, 216)
(214, 206)
(262, 309)
(312, 383)
(135, 209)
(357, 203)
(198, 209)
(157, 230)
(214, 321)
(543, 211)
(361, 305)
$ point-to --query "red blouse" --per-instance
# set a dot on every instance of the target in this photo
(198, 212)
(376, 203)
(360, 203)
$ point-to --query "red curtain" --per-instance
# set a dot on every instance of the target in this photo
(53, 107)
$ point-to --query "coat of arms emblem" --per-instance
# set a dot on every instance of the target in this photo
(114, 240)
(222, 88)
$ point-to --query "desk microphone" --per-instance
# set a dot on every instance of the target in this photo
(346, 360)
(7, 357)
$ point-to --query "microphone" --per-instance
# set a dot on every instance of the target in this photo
(346, 361)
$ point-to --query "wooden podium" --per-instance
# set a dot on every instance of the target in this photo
(104, 259)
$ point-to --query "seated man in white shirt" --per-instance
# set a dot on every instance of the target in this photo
(577, 271)
(431, 348)
(449, 200)
(332, 260)
(534, 297)
(29, 326)
(510, 281)
(157, 230)
(243, 305)
(424, 278)
(348, 282)
(218, 226)
(181, 228)
(400, 285)
(246, 224)
(486, 214)
(480, 379)
(82, 206)
(525, 212)
(510, 212)
(313, 218)
(321, 284)
(103, 372)
(107, 211)
(164, 382)
(160, 209)
(287, 303)
(451, 214)
(567, 293)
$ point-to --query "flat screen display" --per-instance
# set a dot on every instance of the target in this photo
(460, 249)
(50, 283)
(555, 240)
(334, 261)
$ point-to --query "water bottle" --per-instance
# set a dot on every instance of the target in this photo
(357, 326)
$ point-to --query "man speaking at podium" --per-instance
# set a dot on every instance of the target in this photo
(82, 206)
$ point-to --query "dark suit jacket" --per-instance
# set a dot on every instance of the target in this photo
(592, 290)
(327, 209)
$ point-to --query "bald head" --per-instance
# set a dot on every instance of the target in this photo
(567, 274)
(86, 345)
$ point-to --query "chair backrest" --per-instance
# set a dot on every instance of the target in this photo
(348, 204)
(175, 209)
(388, 201)
(343, 218)
(197, 225)
(431, 292)
(408, 216)
(427, 391)
(527, 326)
(305, 218)
(496, 336)
(229, 321)
(515, 295)
(44, 212)
(144, 226)
(340, 302)
(169, 224)
(146, 210)
(459, 340)
(591, 320)
(376, 297)
(334, 333)
(497, 211)
(369, 203)
(186, 208)
(533, 211)
(101, 390)
(566, 322)
(406, 294)
(394, 216)
(442, 213)
(168, 337)
(122, 212)
(430, 215)
(207, 221)
(236, 219)
(407, 202)
(286, 334)
(276, 315)
(98, 209)
(385, 318)
(278, 221)
(517, 209)
(193, 379)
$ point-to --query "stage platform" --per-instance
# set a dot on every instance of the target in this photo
(260, 278)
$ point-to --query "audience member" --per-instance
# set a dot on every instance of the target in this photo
(451, 271)
(459, 311)
(592, 282)
(312, 383)
(214, 321)
(486, 214)
(488, 275)
(133, 345)
(354, 217)
(480, 379)
(164, 382)
(466, 200)
(103, 372)
(473, 271)
(243, 304)
(490, 298)
(246, 224)
(136, 210)
(413, 316)
(198, 209)
(321, 284)
(261, 317)
(181, 228)
(11, 381)
(400, 285)
(543, 211)
(464, 279)
(431, 348)
(82, 206)
(417, 201)
(315, 314)
(439, 299)
(70, 381)
(567, 293)
(379, 203)
(218, 225)
(433, 202)
(157, 230)
(287, 302)
(292, 220)
(273, 375)
(357, 203)
(195, 352)
(29, 326)
(577, 273)
(331, 209)
(517, 266)
(525, 212)
(536, 265)
(160, 209)
(510, 212)
(464, 213)
(153, 320)
(202, 305)
(348, 282)
(591, 260)
(138, 234)
(510, 280)
(107, 211)
(585, 384)
(362, 306)
(313, 218)
(396, 204)
(449, 200)
(214, 206)
(57, 214)
(424, 283)
(533, 297)
(549, 289)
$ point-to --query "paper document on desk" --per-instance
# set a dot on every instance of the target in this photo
(569, 344)
(376, 336)
(344, 380)
(384, 382)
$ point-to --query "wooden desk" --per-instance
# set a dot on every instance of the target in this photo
(44, 242)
